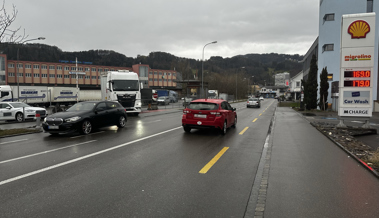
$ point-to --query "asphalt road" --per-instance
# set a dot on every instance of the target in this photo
(151, 168)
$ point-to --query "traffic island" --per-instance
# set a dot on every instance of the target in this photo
(344, 138)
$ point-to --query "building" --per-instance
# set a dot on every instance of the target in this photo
(58, 74)
(282, 79)
(295, 86)
(329, 40)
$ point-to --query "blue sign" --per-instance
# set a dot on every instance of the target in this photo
(355, 94)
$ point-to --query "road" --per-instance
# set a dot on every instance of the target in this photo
(151, 168)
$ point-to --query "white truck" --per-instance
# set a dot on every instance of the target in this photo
(213, 94)
(124, 87)
(45, 96)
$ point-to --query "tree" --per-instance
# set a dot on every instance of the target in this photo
(324, 87)
(310, 86)
(6, 33)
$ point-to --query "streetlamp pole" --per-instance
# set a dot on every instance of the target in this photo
(18, 59)
(202, 70)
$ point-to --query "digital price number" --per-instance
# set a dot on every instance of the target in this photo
(358, 74)
(357, 83)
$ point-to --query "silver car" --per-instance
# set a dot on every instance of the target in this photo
(18, 110)
(253, 102)
(163, 100)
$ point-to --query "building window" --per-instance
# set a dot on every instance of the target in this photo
(11, 65)
(28, 75)
(73, 68)
(328, 17)
(330, 77)
(370, 6)
(93, 69)
(67, 76)
(51, 67)
(67, 68)
(35, 66)
(87, 69)
(93, 77)
(44, 67)
(328, 47)
(36, 75)
(52, 76)
(28, 66)
(87, 77)
(19, 66)
(59, 76)
(80, 69)
(155, 73)
(11, 74)
(44, 75)
(59, 67)
(297, 84)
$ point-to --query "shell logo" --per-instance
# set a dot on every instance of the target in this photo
(358, 29)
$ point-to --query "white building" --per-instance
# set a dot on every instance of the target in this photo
(329, 40)
(295, 85)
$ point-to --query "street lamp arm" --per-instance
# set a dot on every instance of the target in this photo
(202, 69)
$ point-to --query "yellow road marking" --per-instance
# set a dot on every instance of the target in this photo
(243, 130)
(213, 161)
(255, 120)
(260, 114)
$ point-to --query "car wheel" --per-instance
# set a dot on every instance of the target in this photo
(186, 129)
(121, 122)
(223, 130)
(86, 127)
(19, 117)
(235, 122)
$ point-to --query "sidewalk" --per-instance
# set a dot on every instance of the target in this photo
(310, 176)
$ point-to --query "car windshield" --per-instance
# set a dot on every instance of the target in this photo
(203, 106)
(19, 104)
(125, 85)
(253, 99)
(82, 106)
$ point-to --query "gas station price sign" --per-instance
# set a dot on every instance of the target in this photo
(356, 83)
(357, 74)
(357, 78)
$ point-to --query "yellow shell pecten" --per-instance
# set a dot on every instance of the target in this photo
(358, 29)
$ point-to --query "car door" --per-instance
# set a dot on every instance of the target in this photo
(102, 116)
(6, 113)
(226, 112)
(114, 112)
(231, 114)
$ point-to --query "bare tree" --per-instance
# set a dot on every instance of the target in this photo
(7, 34)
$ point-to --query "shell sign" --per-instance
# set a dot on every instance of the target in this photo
(358, 29)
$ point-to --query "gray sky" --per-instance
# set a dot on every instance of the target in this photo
(178, 27)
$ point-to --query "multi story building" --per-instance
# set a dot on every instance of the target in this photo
(35, 73)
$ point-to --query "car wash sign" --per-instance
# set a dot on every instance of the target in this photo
(357, 62)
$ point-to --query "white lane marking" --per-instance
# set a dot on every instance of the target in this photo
(74, 137)
(44, 152)
(13, 141)
(82, 158)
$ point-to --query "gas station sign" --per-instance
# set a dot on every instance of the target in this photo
(357, 62)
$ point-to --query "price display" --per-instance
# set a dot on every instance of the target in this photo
(358, 74)
(357, 83)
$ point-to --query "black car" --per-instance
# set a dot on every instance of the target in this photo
(84, 116)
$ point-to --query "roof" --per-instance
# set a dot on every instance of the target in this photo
(217, 101)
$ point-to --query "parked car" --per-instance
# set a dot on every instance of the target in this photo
(84, 116)
(261, 98)
(253, 102)
(163, 100)
(15, 111)
(209, 113)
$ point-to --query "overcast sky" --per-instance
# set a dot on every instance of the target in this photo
(178, 27)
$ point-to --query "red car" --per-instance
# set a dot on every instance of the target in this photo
(209, 113)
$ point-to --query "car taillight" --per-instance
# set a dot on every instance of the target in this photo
(186, 111)
(218, 114)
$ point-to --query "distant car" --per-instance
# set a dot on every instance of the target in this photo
(209, 113)
(84, 116)
(261, 98)
(186, 101)
(253, 102)
(15, 111)
(163, 100)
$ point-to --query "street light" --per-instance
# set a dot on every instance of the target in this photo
(202, 69)
(18, 48)
(236, 81)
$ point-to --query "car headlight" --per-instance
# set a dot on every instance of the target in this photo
(72, 119)
(30, 111)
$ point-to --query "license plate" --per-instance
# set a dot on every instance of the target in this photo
(201, 115)
(53, 127)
